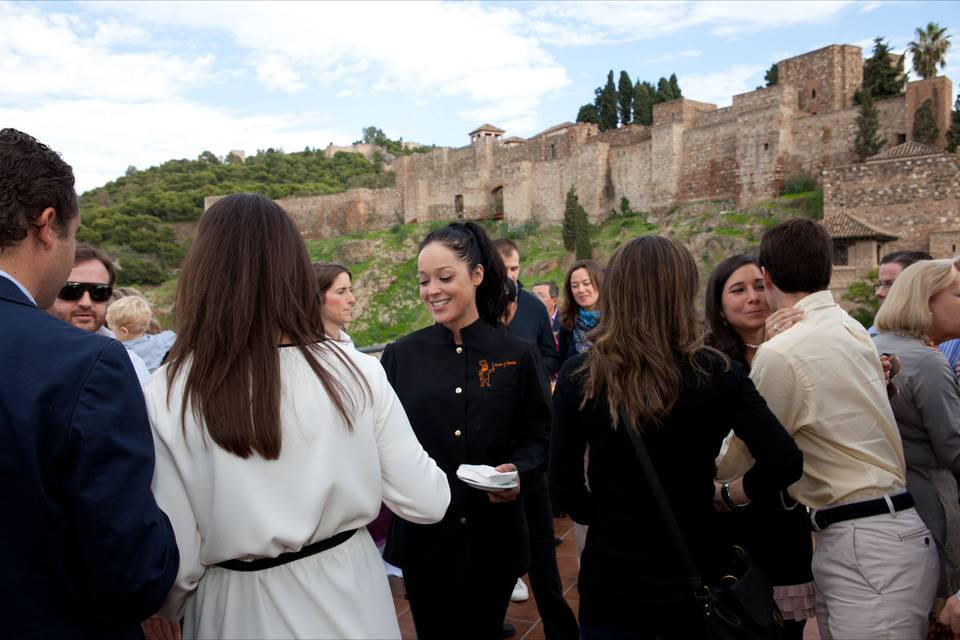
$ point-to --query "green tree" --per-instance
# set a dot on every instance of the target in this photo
(929, 50)
(772, 76)
(925, 128)
(569, 229)
(664, 93)
(583, 246)
(674, 87)
(373, 135)
(588, 113)
(953, 133)
(625, 97)
(867, 141)
(209, 158)
(606, 101)
(643, 98)
(863, 295)
(881, 78)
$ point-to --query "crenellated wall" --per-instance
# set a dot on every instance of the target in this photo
(693, 151)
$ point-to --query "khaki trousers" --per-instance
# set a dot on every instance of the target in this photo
(876, 578)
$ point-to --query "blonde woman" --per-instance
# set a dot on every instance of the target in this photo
(922, 310)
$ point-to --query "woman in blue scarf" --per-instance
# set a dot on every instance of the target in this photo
(580, 310)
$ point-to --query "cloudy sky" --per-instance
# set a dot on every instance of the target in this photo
(115, 84)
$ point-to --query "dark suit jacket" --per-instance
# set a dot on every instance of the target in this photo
(483, 402)
(532, 322)
(84, 550)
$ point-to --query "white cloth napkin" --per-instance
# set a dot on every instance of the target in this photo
(485, 474)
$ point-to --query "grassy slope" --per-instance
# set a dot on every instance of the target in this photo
(384, 262)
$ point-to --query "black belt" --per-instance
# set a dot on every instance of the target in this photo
(823, 518)
(268, 563)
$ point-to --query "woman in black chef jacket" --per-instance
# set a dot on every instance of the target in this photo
(474, 395)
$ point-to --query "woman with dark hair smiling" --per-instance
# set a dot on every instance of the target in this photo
(774, 530)
(273, 448)
(580, 309)
(475, 396)
(649, 373)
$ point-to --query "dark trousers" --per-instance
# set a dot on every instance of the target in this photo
(447, 603)
(559, 623)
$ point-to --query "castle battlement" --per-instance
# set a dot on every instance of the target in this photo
(693, 151)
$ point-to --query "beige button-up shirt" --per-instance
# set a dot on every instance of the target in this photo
(823, 380)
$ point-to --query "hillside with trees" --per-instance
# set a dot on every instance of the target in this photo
(144, 218)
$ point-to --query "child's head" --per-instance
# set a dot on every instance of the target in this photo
(129, 317)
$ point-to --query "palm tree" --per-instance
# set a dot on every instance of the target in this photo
(929, 50)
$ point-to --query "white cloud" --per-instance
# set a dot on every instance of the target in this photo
(720, 87)
(686, 54)
(100, 138)
(274, 73)
(457, 50)
(62, 55)
(604, 22)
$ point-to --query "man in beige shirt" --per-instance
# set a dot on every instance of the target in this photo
(875, 563)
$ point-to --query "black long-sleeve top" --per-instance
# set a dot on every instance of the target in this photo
(484, 401)
(531, 321)
(630, 558)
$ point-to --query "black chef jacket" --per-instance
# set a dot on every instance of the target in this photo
(484, 401)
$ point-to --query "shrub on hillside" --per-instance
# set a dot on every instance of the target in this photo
(798, 183)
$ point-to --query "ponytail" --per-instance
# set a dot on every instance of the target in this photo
(472, 246)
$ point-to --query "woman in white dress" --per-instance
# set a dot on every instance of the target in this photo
(275, 445)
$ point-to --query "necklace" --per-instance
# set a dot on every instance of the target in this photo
(752, 346)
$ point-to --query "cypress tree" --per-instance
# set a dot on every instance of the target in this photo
(772, 76)
(607, 104)
(582, 243)
(925, 128)
(674, 87)
(880, 77)
(663, 91)
(643, 98)
(625, 97)
(867, 141)
(953, 133)
(569, 229)
(587, 113)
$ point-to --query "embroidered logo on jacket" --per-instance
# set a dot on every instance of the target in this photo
(487, 369)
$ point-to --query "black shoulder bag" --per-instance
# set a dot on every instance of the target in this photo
(742, 606)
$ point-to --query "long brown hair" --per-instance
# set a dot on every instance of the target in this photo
(568, 306)
(648, 325)
(247, 281)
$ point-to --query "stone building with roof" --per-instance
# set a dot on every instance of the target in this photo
(905, 197)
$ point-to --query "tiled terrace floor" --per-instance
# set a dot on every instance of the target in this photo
(523, 615)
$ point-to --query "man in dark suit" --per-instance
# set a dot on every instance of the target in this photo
(85, 551)
(532, 323)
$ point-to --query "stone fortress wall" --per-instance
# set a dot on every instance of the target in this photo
(693, 151)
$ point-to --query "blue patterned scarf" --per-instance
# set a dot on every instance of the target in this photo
(586, 322)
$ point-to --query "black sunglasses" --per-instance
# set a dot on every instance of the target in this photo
(73, 291)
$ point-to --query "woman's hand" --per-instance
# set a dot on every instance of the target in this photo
(781, 320)
(509, 495)
(157, 628)
(950, 616)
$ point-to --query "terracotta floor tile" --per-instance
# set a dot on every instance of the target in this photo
(522, 626)
(407, 630)
(396, 587)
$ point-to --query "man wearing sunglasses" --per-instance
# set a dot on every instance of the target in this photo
(85, 552)
(82, 301)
